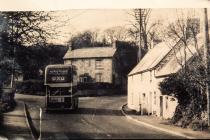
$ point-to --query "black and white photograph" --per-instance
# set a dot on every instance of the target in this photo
(112, 72)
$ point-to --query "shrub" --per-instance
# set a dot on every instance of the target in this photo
(7, 99)
(187, 87)
(84, 86)
(5, 107)
(31, 87)
(177, 116)
(199, 125)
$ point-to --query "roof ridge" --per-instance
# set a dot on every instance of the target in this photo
(92, 52)
(93, 48)
(150, 66)
(176, 66)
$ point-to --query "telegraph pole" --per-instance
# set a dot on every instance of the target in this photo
(139, 19)
(206, 58)
(140, 28)
(13, 61)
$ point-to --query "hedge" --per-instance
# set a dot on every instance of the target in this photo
(84, 86)
(35, 87)
(7, 102)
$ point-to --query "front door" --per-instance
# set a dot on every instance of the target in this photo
(161, 106)
(150, 103)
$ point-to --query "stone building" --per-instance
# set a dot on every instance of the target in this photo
(95, 64)
(108, 65)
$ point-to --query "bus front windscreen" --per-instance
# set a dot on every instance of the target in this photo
(58, 75)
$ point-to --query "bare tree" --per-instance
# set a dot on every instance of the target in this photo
(185, 32)
(141, 30)
(118, 33)
(188, 52)
(94, 38)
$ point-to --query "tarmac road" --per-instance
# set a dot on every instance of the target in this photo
(96, 118)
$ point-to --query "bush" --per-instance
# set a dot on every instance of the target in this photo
(8, 105)
(191, 97)
(199, 125)
(84, 86)
(35, 87)
(177, 115)
(4, 107)
(7, 102)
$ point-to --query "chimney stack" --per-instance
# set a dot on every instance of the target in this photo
(152, 44)
(70, 47)
(114, 43)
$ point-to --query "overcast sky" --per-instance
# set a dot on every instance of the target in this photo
(43, 5)
(80, 20)
(101, 19)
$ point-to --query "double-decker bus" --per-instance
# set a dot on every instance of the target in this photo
(61, 87)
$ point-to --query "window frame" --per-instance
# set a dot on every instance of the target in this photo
(98, 64)
(100, 77)
(155, 98)
(150, 79)
(83, 79)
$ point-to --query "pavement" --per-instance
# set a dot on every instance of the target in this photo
(164, 125)
(14, 124)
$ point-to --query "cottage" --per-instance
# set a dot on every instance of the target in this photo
(143, 81)
(94, 65)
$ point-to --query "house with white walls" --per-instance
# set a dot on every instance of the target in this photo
(143, 81)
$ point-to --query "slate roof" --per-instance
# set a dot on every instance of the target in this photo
(151, 59)
(173, 65)
(94, 52)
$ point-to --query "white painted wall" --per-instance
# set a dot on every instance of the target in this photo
(144, 89)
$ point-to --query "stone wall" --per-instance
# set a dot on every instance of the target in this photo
(88, 66)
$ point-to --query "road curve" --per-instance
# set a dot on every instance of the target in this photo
(96, 118)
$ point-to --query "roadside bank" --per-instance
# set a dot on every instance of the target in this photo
(163, 125)
(14, 124)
